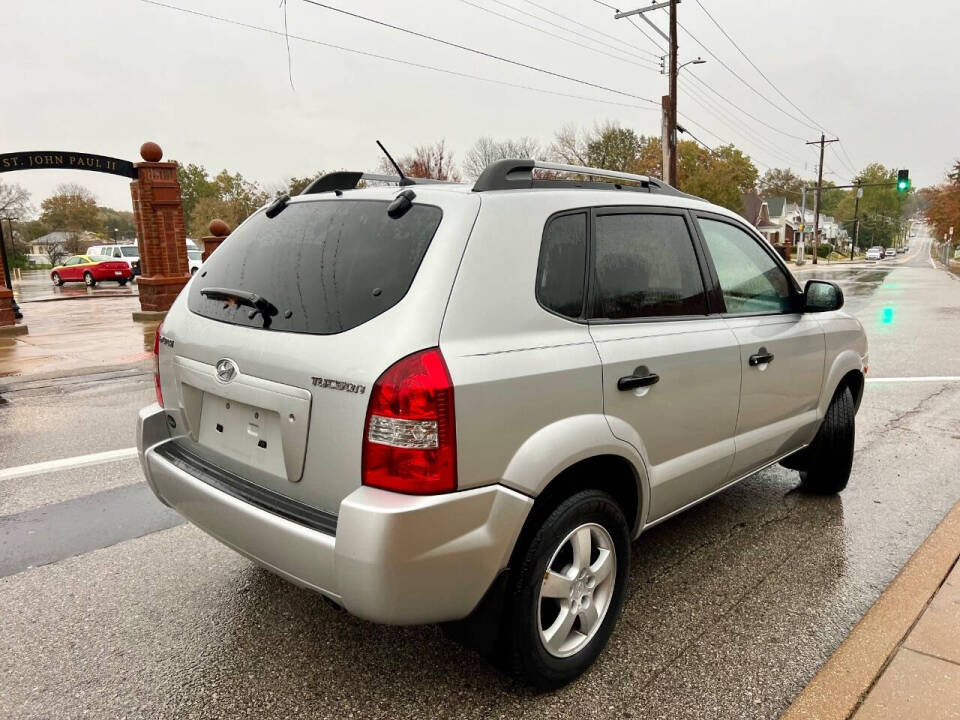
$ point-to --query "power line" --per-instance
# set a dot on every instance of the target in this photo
(740, 78)
(482, 53)
(646, 64)
(575, 22)
(744, 112)
(754, 66)
(755, 138)
(388, 58)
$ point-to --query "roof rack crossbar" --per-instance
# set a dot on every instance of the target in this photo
(349, 179)
(518, 174)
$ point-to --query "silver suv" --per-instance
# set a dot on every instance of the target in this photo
(461, 404)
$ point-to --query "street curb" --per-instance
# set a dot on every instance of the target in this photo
(837, 690)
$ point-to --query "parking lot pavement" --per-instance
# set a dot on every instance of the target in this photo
(733, 606)
(92, 334)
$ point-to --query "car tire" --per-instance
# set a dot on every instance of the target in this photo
(88, 279)
(57, 280)
(121, 282)
(829, 458)
(541, 645)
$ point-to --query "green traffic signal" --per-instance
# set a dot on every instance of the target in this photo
(903, 181)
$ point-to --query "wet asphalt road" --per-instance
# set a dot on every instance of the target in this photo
(733, 605)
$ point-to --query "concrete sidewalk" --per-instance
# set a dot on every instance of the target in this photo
(89, 335)
(902, 660)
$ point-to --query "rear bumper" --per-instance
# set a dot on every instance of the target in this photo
(398, 559)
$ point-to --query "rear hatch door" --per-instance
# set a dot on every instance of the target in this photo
(280, 337)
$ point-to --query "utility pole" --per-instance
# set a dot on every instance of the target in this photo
(856, 221)
(672, 124)
(668, 138)
(822, 142)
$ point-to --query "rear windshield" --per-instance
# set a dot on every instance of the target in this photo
(327, 266)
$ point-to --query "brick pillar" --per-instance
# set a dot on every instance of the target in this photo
(161, 236)
(218, 233)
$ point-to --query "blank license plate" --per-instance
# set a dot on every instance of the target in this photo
(242, 432)
(118, 272)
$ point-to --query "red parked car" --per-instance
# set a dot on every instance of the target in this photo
(90, 270)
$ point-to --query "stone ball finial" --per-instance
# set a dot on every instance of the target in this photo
(218, 228)
(151, 152)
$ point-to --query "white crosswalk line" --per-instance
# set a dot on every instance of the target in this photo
(930, 378)
(67, 463)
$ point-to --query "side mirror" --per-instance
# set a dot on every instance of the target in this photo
(822, 296)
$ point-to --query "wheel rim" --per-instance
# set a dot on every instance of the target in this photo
(88, 279)
(576, 590)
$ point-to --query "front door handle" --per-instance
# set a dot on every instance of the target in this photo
(762, 357)
(631, 382)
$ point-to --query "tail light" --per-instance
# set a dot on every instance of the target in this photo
(409, 439)
(156, 364)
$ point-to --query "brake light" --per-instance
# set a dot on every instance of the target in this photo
(409, 438)
(156, 364)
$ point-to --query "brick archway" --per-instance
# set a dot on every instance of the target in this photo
(157, 214)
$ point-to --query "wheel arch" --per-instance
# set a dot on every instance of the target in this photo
(846, 371)
(592, 457)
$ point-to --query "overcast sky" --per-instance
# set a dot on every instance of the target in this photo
(102, 76)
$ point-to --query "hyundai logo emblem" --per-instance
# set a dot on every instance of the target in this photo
(227, 370)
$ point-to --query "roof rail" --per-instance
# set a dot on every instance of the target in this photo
(349, 179)
(518, 174)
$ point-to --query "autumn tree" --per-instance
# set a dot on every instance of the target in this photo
(296, 185)
(720, 176)
(486, 150)
(71, 209)
(781, 182)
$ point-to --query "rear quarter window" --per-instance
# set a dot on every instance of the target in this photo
(328, 266)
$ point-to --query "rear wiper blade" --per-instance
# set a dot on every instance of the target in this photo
(241, 297)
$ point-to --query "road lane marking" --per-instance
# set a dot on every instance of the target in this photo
(67, 463)
(930, 378)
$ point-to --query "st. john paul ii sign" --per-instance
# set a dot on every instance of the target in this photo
(61, 160)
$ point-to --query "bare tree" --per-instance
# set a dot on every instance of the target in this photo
(570, 145)
(14, 201)
(487, 150)
(427, 161)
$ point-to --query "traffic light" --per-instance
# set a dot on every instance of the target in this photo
(903, 181)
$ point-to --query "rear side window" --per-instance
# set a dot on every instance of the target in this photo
(327, 266)
(645, 266)
(562, 267)
(130, 250)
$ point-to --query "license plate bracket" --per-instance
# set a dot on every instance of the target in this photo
(247, 433)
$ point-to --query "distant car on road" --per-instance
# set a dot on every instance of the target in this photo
(875, 253)
(890, 252)
(91, 270)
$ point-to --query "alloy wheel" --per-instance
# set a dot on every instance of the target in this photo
(576, 590)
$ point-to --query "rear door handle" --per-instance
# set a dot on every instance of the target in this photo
(762, 357)
(631, 382)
